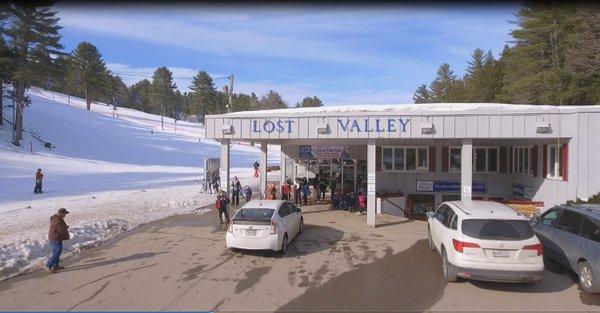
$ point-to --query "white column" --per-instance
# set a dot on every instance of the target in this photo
(263, 168)
(371, 179)
(466, 169)
(224, 170)
(283, 169)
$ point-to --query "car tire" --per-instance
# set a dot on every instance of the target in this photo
(284, 245)
(448, 272)
(588, 279)
(234, 250)
(301, 226)
(430, 244)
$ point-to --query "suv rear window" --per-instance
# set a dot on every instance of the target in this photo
(251, 214)
(497, 229)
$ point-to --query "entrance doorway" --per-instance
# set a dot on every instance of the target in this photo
(419, 204)
(348, 178)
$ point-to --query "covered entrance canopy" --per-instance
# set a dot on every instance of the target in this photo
(444, 150)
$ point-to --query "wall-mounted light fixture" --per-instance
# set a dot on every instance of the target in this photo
(228, 129)
(427, 128)
(323, 128)
(543, 128)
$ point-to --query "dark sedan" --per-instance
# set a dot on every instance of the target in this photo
(571, 236)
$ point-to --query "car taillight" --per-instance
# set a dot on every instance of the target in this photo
(460, 245)
(539, 248)
(273, 228)
(230, 228)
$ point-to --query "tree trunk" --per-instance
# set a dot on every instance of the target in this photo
(1, 103)
(88, 101)
(18, 109)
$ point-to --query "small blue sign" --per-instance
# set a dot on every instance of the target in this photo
(305, 152)
(522, 191)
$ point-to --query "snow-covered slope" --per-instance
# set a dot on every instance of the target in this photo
(112, 173)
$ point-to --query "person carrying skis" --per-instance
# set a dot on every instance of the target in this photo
(236, 188)
(39, 176)
(256, 168)
(221, 205)
(248, 193)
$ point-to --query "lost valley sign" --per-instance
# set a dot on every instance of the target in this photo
(349, 125)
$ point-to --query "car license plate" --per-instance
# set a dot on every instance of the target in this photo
(250, 232)
(500, 253)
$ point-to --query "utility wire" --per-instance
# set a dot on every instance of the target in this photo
(145, 76)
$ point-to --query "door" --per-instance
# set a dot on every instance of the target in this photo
(568, 239)
(546, 232)
(293, 219)
(348, 178)
(437, 224)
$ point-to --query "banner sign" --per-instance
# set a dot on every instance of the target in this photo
(522, 191)
(346, 125)
(449, 186)
(324, 152)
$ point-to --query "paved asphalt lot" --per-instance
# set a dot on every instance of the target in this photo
(181, 263)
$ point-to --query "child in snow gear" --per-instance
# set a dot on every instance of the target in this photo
(285, 191)
(256, 166)
(305, 192)
(248, 193)
(59, 231)
(221, 206)
(236, 188)
(271, 192)
(39, 176)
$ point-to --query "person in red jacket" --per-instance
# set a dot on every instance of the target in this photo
(39, 176)
(58, 232)
(285, 191)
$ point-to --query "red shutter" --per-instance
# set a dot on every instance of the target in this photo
(510, 158)
(502, 168)
(445, 165)
(534, 160)
(432, 159)
(564, 161)
(378, 158)
(545, 161)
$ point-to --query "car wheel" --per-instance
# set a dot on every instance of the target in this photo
(587, 278)
(284, 245)
(301, 226)
(448, 272)
(430, 244)
(234, 250)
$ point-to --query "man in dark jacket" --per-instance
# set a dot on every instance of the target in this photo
(221, 206)
(58, 232)
(236, 189)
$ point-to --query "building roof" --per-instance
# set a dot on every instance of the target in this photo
(487, 209)
(418, 109)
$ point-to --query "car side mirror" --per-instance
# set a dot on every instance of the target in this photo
(534, 220)
(429, 214)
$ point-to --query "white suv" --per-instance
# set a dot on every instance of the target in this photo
(485, 240)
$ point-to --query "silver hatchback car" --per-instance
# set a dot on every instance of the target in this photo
(571, 236)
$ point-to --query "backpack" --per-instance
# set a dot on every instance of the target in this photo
(218, 204)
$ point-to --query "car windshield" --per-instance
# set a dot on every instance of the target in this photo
(254, 214)
(497, 229)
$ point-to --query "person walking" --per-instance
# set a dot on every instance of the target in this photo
(332, 184)
(305, 192)
(296, 189)
(39, 176)
(236, 188)
(221, 206)
(271, 192)
(322, 187)
(59, 231)
(316, 187)
(256, 168)
(248, 193)
(285, 191)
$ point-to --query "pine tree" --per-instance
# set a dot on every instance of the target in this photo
(272, 100)
(7, 58)
(204, 96)
(309, 102)
(33, 36)
(87, 72)
(475, 77)
(139, 95)
(441, 87)
(162, 90)
(422, 95)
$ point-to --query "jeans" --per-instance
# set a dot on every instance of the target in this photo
(38, 188)
(235, 197)
(224, 212)
(56, 247)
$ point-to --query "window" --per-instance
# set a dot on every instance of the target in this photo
(553, 162)
(454, 159)
(522, 160)
(439, 214)
(497, 229)
(405, 159)
(448, 216)
(251, 214)
(486, 159)
(591, 229)
(549, 218)
(388, 159)
(570, 221)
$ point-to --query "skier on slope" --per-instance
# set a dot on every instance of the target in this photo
(256, 166)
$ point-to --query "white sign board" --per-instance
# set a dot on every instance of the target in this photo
(424, 185)
(466, 189)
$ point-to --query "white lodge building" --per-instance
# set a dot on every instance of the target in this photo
(429, 153)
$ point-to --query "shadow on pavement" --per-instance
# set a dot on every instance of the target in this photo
(410, 280)
(132, 257)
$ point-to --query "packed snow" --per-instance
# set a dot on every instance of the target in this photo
(112, 171)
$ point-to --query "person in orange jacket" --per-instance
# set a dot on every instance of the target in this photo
(39, 176)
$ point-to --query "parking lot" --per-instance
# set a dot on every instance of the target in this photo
(338, 263)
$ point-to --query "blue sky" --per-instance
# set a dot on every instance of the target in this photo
(351, 55)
